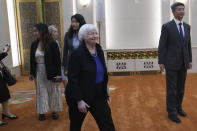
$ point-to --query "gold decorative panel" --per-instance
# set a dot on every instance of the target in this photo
(28, 19)
(27, 15)
(27, 61)
(53, 15)
(131, 73)
(132, 55)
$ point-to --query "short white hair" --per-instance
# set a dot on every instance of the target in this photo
(51, 28)
(83, 31)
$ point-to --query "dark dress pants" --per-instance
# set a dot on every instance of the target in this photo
(175, 83)
(4, 91)
(101, 112)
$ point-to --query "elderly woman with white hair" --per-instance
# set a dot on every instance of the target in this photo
(55, 88)
(54, 34)
(87, 82)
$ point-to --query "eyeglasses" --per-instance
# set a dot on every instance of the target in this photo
(93, 34)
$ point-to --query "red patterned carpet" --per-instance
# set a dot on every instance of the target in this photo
(138, 104)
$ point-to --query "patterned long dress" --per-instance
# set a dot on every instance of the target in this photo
(48, 93)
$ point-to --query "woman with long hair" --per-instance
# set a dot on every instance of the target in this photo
(45, 69)
(71, 41)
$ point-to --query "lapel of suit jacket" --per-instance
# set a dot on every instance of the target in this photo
(35, 47)
(186, 33)
(101, 56)
(70, 43)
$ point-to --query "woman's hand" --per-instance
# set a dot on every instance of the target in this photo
(190, 65)
(82, 106)
(31, 78)
(58, 79)
(162, 67)
(109, 99)
(7, 48)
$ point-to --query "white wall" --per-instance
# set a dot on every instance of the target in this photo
(128, 21)
(4, 31)
(67, 8)
(194, 22)
(165, 11)
(5, 38)
(194, 61)
(87, 12)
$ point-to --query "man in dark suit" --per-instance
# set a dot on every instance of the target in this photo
(175, 56)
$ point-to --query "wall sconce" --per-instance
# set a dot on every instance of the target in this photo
(84, 3)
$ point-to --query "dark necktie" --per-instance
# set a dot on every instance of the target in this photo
(181, 32)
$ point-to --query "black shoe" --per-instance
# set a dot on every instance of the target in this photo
(55, 116)
(2, 123)
(42, 117)
(182, 113)
(174, 118)
(10, 117)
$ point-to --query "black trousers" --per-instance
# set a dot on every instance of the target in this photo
(175, 83)
(101, 112)
(4, 91)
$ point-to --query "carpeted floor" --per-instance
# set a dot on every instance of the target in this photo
(138, 104)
